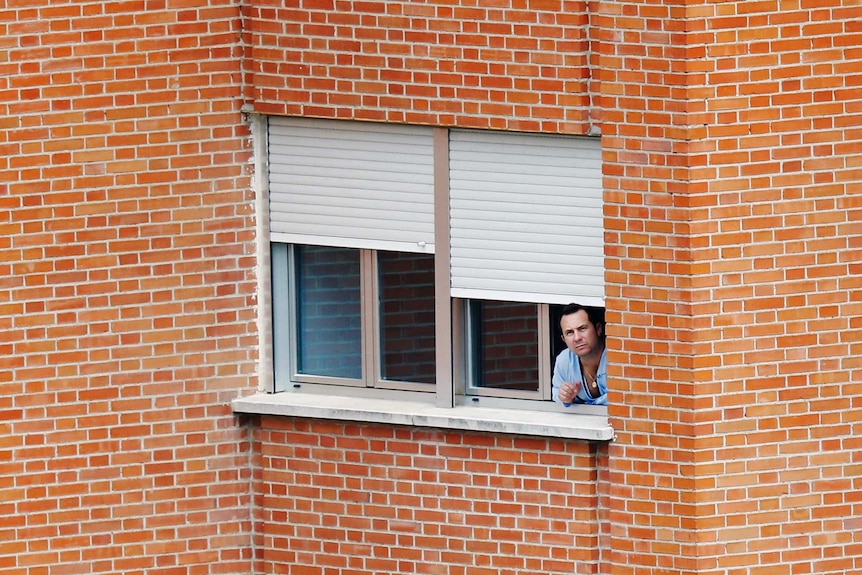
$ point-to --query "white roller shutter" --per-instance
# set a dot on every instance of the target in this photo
(526, 217)
(351, 184)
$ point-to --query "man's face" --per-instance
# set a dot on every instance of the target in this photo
(580, 335)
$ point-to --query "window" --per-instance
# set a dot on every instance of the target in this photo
(355, 317)
(512, 346)
(426, 261)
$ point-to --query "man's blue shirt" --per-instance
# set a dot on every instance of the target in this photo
(567, 367)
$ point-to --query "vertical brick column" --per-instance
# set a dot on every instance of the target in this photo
(647, 148)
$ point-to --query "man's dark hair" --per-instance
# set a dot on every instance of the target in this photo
(595, 314)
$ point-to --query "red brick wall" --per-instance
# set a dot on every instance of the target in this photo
(350, 498)
(513, 65)
(127, 284)
(734, 231)
(731, 153)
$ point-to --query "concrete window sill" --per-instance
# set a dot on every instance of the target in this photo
(412, 413)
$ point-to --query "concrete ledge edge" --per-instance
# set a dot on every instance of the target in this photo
(395, 412)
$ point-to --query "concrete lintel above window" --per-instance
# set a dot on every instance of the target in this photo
(399, 412)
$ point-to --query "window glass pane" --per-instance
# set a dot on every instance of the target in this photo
(505, 345)
(329, 307)
(407, 338)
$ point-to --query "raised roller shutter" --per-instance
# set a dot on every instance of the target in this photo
(351, 184)
(526, 218)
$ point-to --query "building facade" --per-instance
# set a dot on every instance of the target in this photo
(159, 413)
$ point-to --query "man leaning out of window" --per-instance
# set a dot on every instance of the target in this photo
(580, 370)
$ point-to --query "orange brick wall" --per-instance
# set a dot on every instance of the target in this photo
(127, 284)
(647, 141)
(735, 227)
(518, 65)
(731, 142)
(350, 498)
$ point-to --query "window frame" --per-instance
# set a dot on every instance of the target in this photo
(453, 387)
(286, 338)
(544, 369)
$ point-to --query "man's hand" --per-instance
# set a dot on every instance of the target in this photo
(568, 391)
